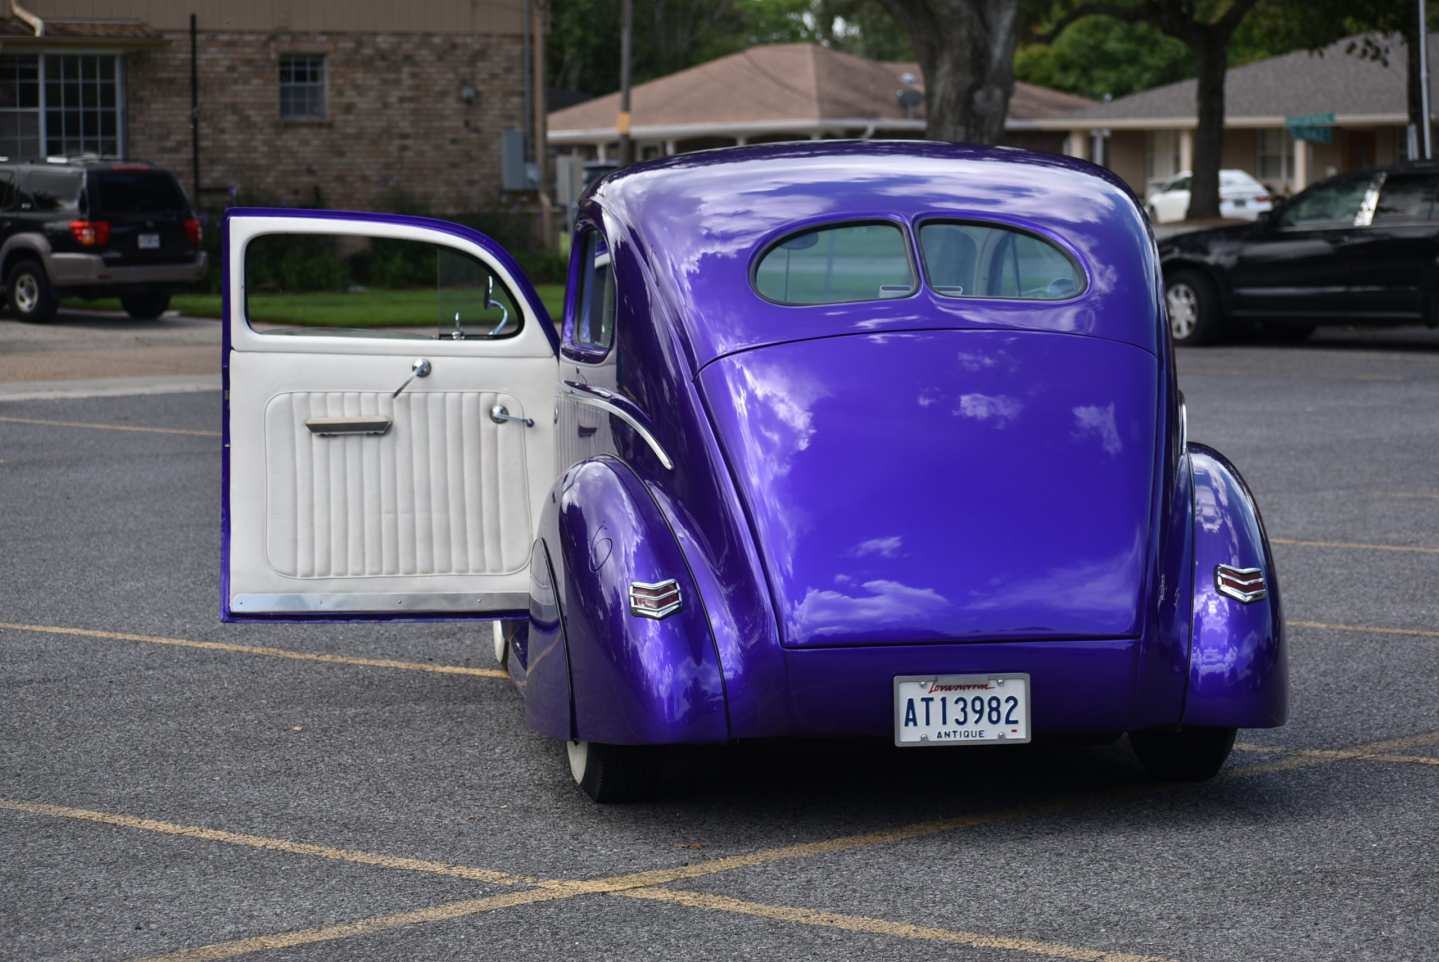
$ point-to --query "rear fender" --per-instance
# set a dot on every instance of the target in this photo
(1238, 662)
(635, 680)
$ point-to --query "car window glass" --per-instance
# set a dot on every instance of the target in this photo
(55, 189)
(7, 190)
(981, 260)
(121, 192)
(1179, 183)
(1335, 204)
(856, 262)
(1406, 199)
(594, 327)
(355, 286)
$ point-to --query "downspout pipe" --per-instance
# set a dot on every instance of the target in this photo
(30, 19)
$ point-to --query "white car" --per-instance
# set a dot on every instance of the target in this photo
(1241, 197)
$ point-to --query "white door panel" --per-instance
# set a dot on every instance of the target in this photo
(434, 515)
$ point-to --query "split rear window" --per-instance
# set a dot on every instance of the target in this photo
(985, 260)
(831, 265)
(871, 262)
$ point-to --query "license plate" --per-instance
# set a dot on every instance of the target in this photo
(961, 710)
(149, 242)
(1241, 202)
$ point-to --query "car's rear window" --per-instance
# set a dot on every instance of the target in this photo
(986, 260)
(115, 192)
(830, 265)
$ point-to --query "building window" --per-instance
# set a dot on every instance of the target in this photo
(55, 104)
(1272, 163)
(302, 86)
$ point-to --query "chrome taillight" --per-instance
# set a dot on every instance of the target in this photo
(654, 600)
(1241, 584)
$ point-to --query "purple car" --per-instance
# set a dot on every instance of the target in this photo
(855, 439)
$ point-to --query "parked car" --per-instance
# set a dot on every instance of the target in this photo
(1357, 248)
(1241, 197)
(91, 228)
(837, 439)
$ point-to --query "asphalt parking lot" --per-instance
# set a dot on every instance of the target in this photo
(173, 788)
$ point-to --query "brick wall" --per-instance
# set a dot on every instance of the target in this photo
(396, 119)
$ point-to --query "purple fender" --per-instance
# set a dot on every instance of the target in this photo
(635, 680)
(1238, 665)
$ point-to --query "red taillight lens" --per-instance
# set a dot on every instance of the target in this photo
(91, 233)
(193, 230)
(1261, 199)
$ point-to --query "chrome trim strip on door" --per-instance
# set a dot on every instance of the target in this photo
(622, 408)
(339, 427)
(386, 603)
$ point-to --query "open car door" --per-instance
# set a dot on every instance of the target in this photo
(389, 415)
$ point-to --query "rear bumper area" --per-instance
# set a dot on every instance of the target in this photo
(87, 271)
(1075, 686)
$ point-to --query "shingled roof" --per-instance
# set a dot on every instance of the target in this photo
(779, 86)
(1330, 81)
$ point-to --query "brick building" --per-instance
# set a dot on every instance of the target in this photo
(340, 102)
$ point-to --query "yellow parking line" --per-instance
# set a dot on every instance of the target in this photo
(1368, 629)
(554, 889)
(1338, 755)
(1355, 545)
(873, 926)
(101, 426)
(349, 930)
(260, 650)
(1379, 751)
(267, 843)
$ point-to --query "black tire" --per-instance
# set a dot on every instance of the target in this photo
(146, 306)
(613, 773)
(1287, 333)
(1192, 307)
(1183, 754)
(30, 294)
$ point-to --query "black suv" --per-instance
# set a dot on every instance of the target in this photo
(89, 228)
(1357, 248)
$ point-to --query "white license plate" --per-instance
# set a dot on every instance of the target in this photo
(961, 710)
(149, 242)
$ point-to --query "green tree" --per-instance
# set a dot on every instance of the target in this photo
(1098, 56)
(1206, 27)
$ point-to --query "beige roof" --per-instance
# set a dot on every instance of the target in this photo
(777, 87)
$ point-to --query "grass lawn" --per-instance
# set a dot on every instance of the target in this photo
(380, 308)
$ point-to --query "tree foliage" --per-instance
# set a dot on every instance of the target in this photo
(1099, 56)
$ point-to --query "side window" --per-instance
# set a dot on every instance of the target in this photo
(1406, 199)
(982, 260)
(1178, 183)
(856, 262)
(355, 286)
(594, 327)
(7, 190)
(1328, 205)
(55, 189)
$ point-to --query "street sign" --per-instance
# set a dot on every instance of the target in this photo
(1317, 128)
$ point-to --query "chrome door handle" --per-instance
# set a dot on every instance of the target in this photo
(500, 414)
(419, 368)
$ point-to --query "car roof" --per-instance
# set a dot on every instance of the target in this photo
(700, 219)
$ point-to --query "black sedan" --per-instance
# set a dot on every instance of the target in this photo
(1355, 248)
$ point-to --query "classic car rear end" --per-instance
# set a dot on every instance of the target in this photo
(843, 439)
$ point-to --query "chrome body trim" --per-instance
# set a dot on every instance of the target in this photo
(342, 427)
(622, 408)
(380, 603)
(1246, 585)
(657, 599)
